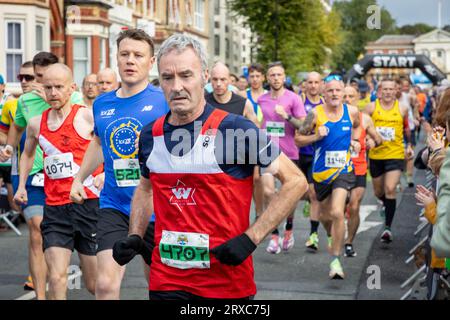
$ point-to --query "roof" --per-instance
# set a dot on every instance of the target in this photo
(395, 39)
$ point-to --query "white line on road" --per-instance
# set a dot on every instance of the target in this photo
(32, 294)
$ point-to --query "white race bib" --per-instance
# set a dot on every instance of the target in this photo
(335, 159)
(60, 166)
(38, 180)
(127, 172)
(275, 129)
(387, 133)
(184, 250)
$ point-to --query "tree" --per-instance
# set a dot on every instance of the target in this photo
(354, 18)
(297, 32)
(415, 29)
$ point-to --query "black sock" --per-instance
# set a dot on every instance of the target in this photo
(289, 224)
(383, 199)
(314, 226)
(275, 232)
(390, 205)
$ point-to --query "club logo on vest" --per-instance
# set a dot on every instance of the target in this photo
(182, 196)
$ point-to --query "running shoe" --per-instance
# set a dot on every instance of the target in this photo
(349, 251)
(336, 271)
(28, 285)
(313, 242)
(306, 209)
(274, 246)
(386, 236)
(288, 240)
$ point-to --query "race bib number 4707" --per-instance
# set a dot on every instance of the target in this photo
(184, 250)
(387, 133)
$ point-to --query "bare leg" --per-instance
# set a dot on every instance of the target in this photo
(356, 197)
(89, 266)
(109, 277)
(37, 264)
(338, 198)
(58, 260)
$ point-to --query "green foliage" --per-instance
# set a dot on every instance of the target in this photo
(415, 29)
(306, 35)
(356, 34)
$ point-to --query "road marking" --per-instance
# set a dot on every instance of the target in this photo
(32, 294)
(364, 213)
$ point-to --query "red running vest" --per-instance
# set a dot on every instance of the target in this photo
(64, 150)
(360, 161)
(196, 204)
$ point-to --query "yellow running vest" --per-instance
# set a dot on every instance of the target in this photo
(389, 125)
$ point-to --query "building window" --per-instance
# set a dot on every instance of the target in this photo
(227, 48)
(14, 49)
(227, 29)
(217, 24)
(217, 45)
(216, 7)
(199, 14)
(39, 37)
(81, 65)
(440, 53)
(102, 53)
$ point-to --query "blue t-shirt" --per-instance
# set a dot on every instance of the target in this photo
(117, 121)
(249, 149)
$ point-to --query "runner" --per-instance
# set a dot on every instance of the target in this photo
(256, 79)
(408, 98)
(281, 108)
(226, 100)
(242, 84)
(333, 172)
(202, 207)
(366, 129)
(118, 117)
(63, 132)
(29, 105)
(311, 99)
(89, 89)
(107, 81)
(387, 160)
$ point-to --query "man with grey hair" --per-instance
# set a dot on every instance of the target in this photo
(107, 80)
(203, 241)
(119, 116)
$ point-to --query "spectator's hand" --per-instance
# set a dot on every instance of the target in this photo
(234, 251)
(6, 153)
(126, 249)
(281, 112)
(434, 142)
(21, 196)
(99, 181)
(77, 193)
(424, 196)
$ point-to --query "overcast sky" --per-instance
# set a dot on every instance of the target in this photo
(415, 11)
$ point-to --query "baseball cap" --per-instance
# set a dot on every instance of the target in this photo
(2, 81)
(363, 86)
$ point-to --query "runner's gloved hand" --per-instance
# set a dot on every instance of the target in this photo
(125, 249)
(234, 251)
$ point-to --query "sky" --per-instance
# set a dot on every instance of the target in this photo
(415, 11)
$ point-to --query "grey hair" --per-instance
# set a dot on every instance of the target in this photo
(181, 42)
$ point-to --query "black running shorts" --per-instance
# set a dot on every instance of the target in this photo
(380, 167)
(344, 181)
(71, 226)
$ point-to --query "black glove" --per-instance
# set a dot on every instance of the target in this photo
(235, 250)
(125, 249)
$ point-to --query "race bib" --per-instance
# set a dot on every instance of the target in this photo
(60, 166)
(387, 133)
(335, 159)
(38, 180)
(7, 161)
(127, 172)
(184, 250)
(275, 129)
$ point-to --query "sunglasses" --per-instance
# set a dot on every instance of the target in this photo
(332, 77)
(27, 77)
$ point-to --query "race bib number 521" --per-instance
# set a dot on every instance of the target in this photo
(126, 172)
